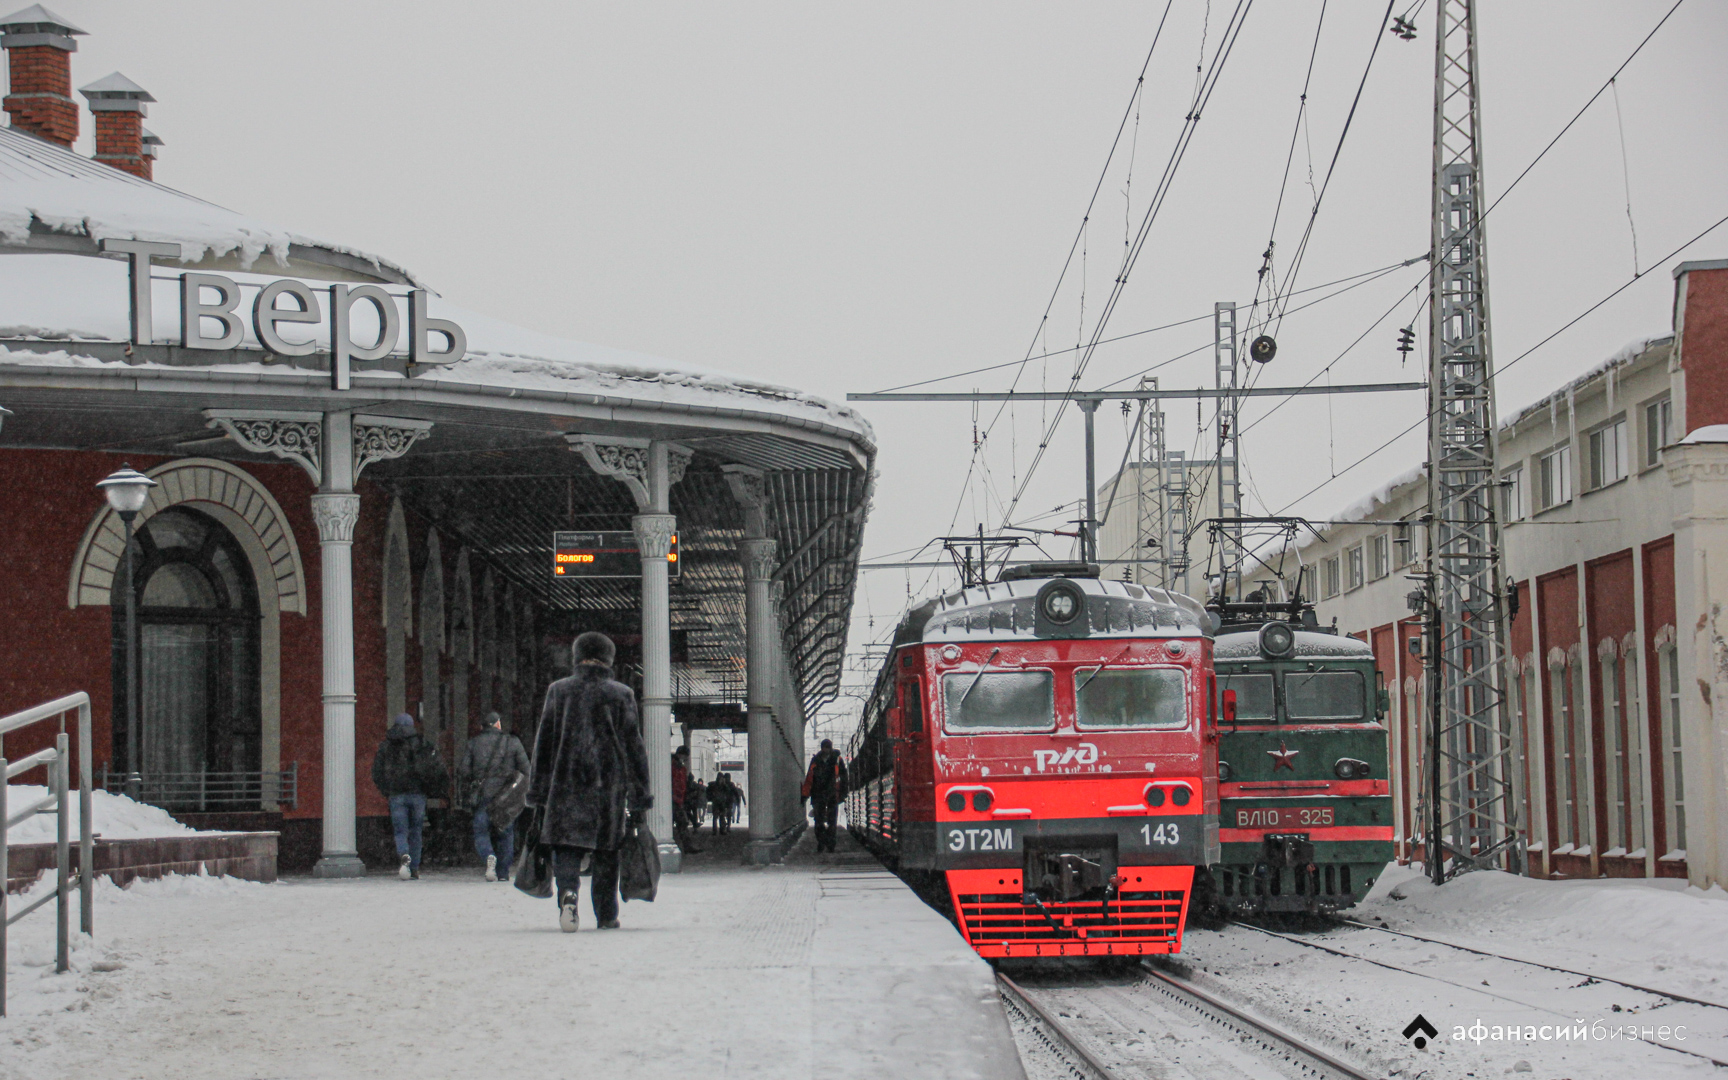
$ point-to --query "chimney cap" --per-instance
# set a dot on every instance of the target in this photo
(151, 141)
(37, 19)
(115, 86)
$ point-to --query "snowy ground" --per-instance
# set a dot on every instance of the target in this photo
(1657, 934)
(113, 817)
(796, 971)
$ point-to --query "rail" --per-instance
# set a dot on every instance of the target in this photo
(58, 761)
(206, 791)
(1058, 1038)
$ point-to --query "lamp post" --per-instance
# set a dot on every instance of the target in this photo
(126, 491)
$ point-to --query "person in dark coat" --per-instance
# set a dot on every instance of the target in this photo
(720, 803)
(681, 784)
(407, 769)
(487, 766)
(590, 777)
(825, 786)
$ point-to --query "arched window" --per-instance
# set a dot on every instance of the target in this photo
(198, 699)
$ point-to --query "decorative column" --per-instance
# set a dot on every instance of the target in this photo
(333, 448)
(758, 555)
(649, 469)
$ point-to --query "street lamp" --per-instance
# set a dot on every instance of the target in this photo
(126, 491)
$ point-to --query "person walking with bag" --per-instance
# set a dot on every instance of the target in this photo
(589, 778)
(408, 771)
(493, 771)
(825, 786)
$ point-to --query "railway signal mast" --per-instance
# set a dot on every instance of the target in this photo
(1468, 789)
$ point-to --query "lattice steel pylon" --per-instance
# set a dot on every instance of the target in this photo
(1468, 791)
(1227, 472)
(1151, 557)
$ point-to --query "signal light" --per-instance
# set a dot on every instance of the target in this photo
(1181, 795)
(1154, 796)
(956, 801)
(1350, 769)
(1224, 770)
(981, 801)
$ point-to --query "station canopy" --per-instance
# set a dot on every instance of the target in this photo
(495, 471)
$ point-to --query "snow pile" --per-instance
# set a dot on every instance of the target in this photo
(113, 817)
(1709, 433)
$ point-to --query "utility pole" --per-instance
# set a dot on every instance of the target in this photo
(1225, 372)
(1472, 817)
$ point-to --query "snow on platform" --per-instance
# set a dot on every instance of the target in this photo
(804, 970)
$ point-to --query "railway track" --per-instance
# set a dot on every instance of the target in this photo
(1241, 1045)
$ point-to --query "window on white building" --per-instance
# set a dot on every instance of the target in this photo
(1353, 568)
(1561, 757)
(1403, 547)
(1554, 477)
(1658, 418)
(1513, 505)
(1329, 578)
(1608, 457)
(1583, 773)
(1619, 805)
(1668, 662)
(1379, 556)
(1635, 747)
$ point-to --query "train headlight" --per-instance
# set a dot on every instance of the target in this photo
(1061, 605)
(1154, 796)
(1224, 770)
(982, 800)
(1277, 641)
(1347, 768)
(1180, 795)
(957, 801)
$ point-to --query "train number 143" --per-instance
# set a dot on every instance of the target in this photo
(1163, 834)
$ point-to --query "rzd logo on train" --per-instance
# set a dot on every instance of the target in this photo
(1082, 754)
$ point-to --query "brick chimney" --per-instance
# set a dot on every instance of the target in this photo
(39, 48)
(118, 106)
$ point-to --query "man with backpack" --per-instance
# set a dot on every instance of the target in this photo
(493, 764)
(408, 771)
(825, 786)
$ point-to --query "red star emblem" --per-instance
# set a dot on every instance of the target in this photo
(1281, 757)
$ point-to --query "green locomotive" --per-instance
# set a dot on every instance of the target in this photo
(1303, 781)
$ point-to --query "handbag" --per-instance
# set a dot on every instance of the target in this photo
(638, 865)
(533, 870)
(508, 804)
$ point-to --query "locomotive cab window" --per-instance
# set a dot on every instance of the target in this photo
(999, 700)
(1132, 698)
(1253, 694)
(912, 708)
(1324, 695)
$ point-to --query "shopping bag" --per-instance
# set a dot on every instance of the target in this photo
(638, 865)
(533, 870)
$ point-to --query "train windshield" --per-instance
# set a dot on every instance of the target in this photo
(1324, 695)
(1132, 698)
(1253, 695)
(999, 700)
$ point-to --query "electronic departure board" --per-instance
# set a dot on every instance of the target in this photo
(602, 555)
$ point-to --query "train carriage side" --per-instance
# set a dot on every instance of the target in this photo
(1306, 801)
(1044, 748)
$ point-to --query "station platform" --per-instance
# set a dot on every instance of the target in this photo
(823, 967)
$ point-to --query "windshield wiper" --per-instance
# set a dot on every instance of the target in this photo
(975, 678)
(1093, 673)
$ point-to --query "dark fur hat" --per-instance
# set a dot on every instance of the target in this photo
(595, 648)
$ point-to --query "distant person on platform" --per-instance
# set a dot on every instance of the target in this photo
(720, 791)
(825, 786)
(590, 776)
(488, 766)
(408, 771)
(680, 797)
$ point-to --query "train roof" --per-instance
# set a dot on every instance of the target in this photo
(1003, 610)
(1245, 645)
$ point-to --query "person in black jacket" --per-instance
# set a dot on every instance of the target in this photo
(825, 786)
(407, 769)
(590, 777)
(488, 764)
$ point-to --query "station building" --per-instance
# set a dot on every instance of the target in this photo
(1615, 511)
(357, 488)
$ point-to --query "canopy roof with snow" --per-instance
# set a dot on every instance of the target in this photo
(496, 469)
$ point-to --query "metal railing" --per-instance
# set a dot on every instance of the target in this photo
(57, 802)
(209, 792)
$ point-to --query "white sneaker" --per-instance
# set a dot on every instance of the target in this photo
(567, 920)
(491, 868)
(403, 871)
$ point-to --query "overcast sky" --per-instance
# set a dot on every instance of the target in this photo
(855, 197)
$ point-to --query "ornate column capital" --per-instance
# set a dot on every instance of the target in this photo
(759, 558)
(296, 436)
(750, 491)
(381, 438)
(654, 534)
(336, 515)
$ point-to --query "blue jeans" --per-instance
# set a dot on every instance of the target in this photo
(494, 841)
(408, 815)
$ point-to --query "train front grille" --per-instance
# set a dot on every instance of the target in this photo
(1140, 916)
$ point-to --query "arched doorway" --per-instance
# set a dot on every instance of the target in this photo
(200, 733)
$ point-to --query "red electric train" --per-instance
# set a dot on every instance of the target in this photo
(1043, 751)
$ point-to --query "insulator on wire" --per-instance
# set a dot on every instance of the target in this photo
(1407, 340)
(1403, 27)
(1262, 349)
